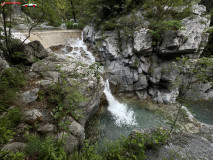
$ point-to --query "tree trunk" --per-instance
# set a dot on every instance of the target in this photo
(73, 10)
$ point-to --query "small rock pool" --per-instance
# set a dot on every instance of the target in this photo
(202, 111)
(111, 125)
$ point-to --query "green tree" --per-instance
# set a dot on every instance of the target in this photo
(166, 15)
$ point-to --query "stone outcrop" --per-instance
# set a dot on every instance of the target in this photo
(14, 147)
(183, 146)
(3, 65)
(48, 71)
(34, 51)
(33, 116)
(133, 64)
(30, 96)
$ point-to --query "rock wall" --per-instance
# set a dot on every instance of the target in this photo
(134, 65)
(36, 114)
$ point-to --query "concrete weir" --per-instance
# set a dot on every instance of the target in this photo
(54, 37)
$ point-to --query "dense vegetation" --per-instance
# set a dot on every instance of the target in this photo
(65, 99)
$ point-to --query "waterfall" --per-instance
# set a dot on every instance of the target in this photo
(79, 51)
(120, 112)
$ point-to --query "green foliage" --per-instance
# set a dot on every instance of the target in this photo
(6, 134)
(51, 9)
(51, 150)
(7, 123)
(204, 66)
(12, 78)
(10, 81)
(33, 146)
(109, 25)
(18, 57)
(45, 149)
(65, 98)
(6, 155)
(123, 148)
(72, 25)
(165, 15)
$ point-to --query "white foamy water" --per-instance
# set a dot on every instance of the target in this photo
(120, 112)
(79, 51)
(188, 113)
(19, 35)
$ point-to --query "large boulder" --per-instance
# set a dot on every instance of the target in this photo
(89, 33)
(14, 147)
(77, 129)
(33, 116)
(34, 51)
(71, 143)
(30, 96)
(47, 128)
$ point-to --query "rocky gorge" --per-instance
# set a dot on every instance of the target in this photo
(135, 66)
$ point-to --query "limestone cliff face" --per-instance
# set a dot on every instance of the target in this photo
(134, 65)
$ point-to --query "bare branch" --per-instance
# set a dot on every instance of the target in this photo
(33, 26)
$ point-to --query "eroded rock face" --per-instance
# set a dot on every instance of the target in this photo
(133, 64)
(142, 41)
(189, 39)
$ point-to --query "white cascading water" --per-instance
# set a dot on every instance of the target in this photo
(120, 112)
(188, 113)
(79, 51)
(18, 35)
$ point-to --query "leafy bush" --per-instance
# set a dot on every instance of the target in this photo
(52, 150)
(65, 98)
(73, 25)
(10, 81)
(109, 25)
(18, 57)
(123, 148)
(7, 123)
(46, 149)
(33, 146)
(6, 155)
(88, 152)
